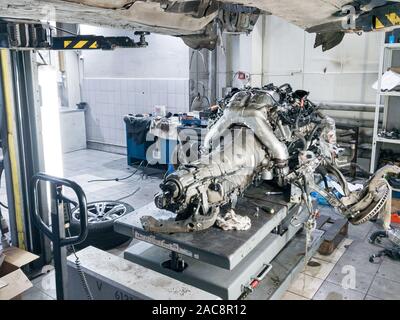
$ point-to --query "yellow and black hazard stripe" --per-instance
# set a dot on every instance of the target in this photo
(94, 42)
(390, 19)
(387, 16)
(80, 44)
(75, 43)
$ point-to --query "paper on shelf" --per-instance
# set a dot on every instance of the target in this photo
(390, 81)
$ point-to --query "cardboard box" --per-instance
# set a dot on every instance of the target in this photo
(13, 282)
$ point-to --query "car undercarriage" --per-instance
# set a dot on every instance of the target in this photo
(200, 23)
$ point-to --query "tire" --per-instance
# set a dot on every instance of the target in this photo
(101, 234)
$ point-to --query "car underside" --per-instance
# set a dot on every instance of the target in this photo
(200, 23)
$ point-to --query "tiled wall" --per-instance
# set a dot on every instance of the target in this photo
(110, 100)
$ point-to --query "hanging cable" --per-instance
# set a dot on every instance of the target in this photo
(129, 195)
(41, 57)
(118, 179)
(81, 273)
(3, 205)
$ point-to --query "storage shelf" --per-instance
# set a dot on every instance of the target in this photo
(391, 141)
(392, 46)
(390, 94)
(386, 59)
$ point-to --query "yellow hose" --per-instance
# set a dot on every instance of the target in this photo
(7, 89)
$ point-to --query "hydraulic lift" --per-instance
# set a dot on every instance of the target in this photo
(256, 264)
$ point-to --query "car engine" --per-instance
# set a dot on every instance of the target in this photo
(268, 135)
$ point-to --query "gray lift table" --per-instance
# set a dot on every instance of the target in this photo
(226, 264)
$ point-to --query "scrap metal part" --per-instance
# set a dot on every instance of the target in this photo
(191, 224)
(377, 200)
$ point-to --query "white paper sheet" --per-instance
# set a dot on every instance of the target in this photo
(390, 80)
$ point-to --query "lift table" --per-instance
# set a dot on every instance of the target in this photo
(228, 264)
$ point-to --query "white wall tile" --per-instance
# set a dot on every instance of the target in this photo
(155, 99)
(179, 86)
(164, 98)
(97, 84)
(132, 98)
(124, 97)
(147, 86)
(89, 84)
(139, 99)
(158, 86)
(100, 97)
(104, 87)
(131, 85)
(139, 86)
(163, 86)
(171, 103)
(111, 99)
(123, 85)
(171, 86)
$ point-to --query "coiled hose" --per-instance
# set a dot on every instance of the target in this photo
(81, 273)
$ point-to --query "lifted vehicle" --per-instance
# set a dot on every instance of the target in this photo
(200, 23)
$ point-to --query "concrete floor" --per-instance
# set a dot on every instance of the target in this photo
(332, 280)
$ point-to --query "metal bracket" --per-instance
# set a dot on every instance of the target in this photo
(379, 18)
(192, 224)
(331, 34)
(35, 36)
(97, 42)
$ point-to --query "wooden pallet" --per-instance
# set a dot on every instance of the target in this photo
(335, 231)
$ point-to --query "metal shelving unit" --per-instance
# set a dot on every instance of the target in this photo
(386, 61)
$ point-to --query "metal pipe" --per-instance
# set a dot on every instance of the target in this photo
(356, 123)
(212, 70)
(348, 107)
(254, 119)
